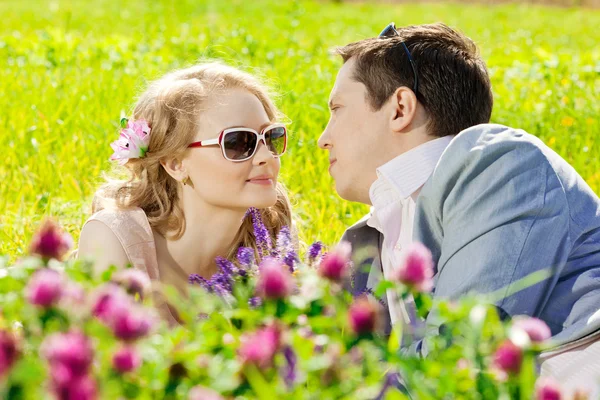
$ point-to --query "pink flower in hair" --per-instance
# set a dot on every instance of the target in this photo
(133, 141)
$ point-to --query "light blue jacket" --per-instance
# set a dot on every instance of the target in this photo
(499, 206)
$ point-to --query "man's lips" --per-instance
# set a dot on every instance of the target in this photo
(331, 163)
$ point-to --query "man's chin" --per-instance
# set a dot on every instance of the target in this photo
(344, 191)
(349, 192)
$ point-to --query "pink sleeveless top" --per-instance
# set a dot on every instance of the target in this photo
(133, 230)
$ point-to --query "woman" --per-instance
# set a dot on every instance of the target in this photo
(202, 147)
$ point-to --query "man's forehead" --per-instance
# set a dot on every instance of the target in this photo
(345, 74)
(345, 82)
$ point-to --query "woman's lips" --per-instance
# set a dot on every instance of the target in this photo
(261, 180)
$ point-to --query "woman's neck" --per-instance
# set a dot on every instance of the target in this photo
(209, 233)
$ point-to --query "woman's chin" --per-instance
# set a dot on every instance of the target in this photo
(265, 201)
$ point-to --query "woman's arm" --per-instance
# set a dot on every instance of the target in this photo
(99, 243)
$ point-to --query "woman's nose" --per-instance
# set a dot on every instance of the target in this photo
(263, 154)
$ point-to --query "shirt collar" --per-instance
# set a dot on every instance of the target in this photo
(404, 175)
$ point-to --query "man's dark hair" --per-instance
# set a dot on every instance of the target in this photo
(453, 82)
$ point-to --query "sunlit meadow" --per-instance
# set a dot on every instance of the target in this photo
(68, 70)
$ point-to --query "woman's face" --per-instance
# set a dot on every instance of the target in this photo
(224, 183)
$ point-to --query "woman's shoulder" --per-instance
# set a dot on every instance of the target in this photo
(130, 225)
(117, 219)
(119, 237)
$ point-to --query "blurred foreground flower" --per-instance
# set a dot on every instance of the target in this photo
(128, 320)
(535, 328)
(547, 389)
(9, 351)
(274, 280)
(416, 268)
(51, 242)
(70, 357)
(202, 393)
(260, 347)
(334, 264)
(134, 281)
(126, 359)
(508, 357)
(362, 316)
(45, 288)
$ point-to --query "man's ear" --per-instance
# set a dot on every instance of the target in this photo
(175, 168)
(403, 109)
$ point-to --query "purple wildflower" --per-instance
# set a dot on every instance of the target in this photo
(261, 234)
(319, 349)
(289, 370)
(245, 256)
(220, 284)
(202, 316)
(227, 268)
(314, 251)
(391, 380)
(285, 248)
(195, 279)
(255, 302)
(284, 241)
(290, 260)
(370, 292)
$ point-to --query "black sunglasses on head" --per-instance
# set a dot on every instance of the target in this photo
(390, 31)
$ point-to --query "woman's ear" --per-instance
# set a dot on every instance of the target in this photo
(175, 168)
(403, 109)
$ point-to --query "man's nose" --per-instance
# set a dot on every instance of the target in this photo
(324, 141)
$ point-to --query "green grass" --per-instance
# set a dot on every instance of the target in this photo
(67, 69)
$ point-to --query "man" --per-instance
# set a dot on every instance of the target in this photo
(409, 134)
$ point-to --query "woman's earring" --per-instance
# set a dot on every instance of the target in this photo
(187, 181)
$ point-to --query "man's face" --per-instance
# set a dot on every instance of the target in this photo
(353, 137)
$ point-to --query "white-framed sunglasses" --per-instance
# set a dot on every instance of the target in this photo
(240, 144)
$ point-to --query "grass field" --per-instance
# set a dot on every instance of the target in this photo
(67, 70)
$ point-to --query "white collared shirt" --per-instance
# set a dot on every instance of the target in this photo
(393, 196)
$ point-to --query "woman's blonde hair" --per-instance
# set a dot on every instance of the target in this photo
(172, 107)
